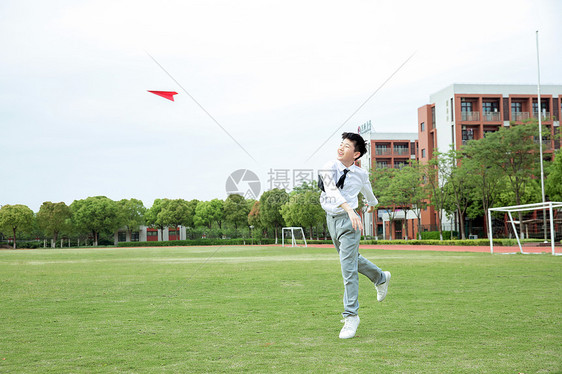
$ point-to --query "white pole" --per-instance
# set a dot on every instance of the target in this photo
(490, 230)
(539, 110)
(515, 231)
(552, 239)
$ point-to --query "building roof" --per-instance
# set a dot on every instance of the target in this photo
(409, 136)
(503, 89)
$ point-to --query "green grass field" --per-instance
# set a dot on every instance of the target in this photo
(272, 309)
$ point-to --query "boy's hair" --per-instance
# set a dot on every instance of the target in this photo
(359, 142)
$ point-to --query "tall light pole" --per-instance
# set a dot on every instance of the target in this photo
(539, 114)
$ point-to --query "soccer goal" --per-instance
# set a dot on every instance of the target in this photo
(297, 233)
(540, 220)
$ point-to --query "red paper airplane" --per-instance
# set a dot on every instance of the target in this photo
(165, 94)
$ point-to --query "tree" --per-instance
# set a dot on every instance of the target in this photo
(553, 183)
(459, 186)
(236, 210)
(303, 209)
(132, 214)
(96, 214)
(254, 217)
(54, 218)
(411, 184)
(191, 207)
(489, 178)
(531, 193)
(151, 215)
(433, 171)
(516, 155)
(208, 212)
(174, 213)
(14, 218)
(270, 209)
(384, 181)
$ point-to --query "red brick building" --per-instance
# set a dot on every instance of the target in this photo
(463, 112)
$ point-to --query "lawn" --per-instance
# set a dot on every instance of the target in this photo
(273, 309)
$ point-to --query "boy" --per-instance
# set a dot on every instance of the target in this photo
(339, 199)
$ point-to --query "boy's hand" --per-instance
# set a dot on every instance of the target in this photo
(354, 217)
(355, 220)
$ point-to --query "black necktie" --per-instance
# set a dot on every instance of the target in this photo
(342, 179)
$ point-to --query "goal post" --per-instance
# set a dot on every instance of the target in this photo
(293, 239)
(549, 205)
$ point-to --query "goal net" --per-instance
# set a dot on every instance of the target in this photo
(540, 221)
(292, 234)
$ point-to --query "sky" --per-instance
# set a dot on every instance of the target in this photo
(263, 86)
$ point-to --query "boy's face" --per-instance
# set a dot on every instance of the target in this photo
(346, 152)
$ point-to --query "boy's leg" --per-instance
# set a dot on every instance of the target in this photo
(346, 241)
(371, 271)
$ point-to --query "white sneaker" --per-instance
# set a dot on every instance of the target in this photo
(350, 327)
(382, 289)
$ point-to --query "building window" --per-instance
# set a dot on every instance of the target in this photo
(467, 134)
(382, 164)
(423, 152)
(381, 149)
(466, 112)
(516, 107)
(422, 126)
(544, 106)
(432, 117)
(490, 111)
(490, 106)
(401, 149)
(517, 113)
(121, 236)
(544, 109)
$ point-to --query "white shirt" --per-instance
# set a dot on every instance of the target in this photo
(356, 180)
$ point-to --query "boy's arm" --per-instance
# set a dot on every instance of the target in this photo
(367, 191)
(355, 219)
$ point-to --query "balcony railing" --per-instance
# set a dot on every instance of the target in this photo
(519, 116)
(545, 116)
(491, 117)
(401, 151)
(546, 144)
(383, 151)
(470, 116)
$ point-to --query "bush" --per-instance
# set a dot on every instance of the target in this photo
(466, 242)
(29, 245)
(434, 235)
(198, 242)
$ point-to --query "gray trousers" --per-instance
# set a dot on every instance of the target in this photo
(346, 241)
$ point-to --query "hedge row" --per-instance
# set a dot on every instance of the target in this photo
(466, 242)
(204, 242)
(434, 235)
(197, 242)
